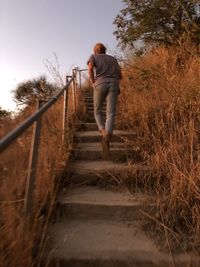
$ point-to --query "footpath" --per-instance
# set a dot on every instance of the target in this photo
(99, 225)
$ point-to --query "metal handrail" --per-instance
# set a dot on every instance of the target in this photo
(36, 119)
(10, 137)
(33, 157)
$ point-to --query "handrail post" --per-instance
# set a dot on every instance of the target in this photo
(64, 116)
(74, 71)
(65, 106)
(81, 92)
(80, 82)
(33, 159)
(80, 87)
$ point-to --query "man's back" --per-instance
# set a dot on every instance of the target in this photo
(106, 67)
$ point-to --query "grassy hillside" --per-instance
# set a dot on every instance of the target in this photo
(160, 99)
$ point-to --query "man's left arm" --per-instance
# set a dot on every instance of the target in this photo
(91, 71)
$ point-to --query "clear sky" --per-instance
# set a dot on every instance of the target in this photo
(33, 30)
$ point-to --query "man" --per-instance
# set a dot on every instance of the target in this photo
(105, 74)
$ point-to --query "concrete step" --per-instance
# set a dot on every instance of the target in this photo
(87, 126)
(93, 151)
(95, 136)
(88, 94)
(98, 243)
(88, 102)
(90, 106)
(91, 112)
(88, 98)
(89, 118)
(86, 172)
(91, 202)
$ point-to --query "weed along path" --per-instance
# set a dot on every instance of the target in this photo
(100, 223)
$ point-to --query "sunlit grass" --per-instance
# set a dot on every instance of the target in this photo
(160, 100)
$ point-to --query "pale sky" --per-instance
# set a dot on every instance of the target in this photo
(33, 30)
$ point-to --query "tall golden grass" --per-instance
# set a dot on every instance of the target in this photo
(20, 245)
(160, 99)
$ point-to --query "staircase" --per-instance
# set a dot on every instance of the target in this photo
(98, 226)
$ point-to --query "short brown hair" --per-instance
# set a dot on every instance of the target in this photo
(99, 48)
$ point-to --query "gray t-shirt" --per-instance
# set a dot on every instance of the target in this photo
(106, 68)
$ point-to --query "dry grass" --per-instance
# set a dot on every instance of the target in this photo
(160, 100)
(22, 246)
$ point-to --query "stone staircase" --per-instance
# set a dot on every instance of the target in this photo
(97, 226)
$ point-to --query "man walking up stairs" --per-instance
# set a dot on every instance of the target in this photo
(104, 73)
